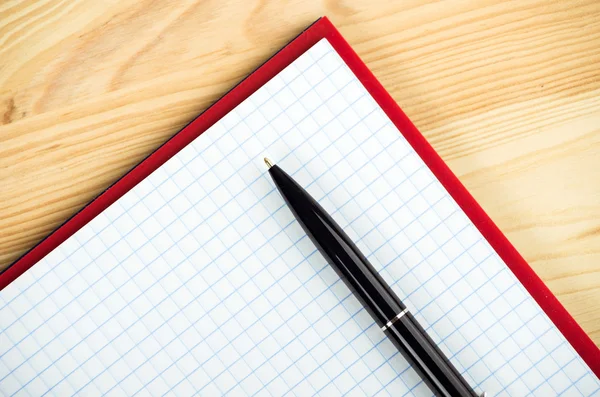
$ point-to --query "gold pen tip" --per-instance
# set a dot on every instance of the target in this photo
(268, 162)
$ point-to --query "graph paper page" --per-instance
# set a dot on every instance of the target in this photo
(200, 282)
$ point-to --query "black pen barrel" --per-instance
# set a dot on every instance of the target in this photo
(347, 260)
(372, 291)
(426, 358)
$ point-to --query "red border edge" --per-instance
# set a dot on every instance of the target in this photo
(323, 28)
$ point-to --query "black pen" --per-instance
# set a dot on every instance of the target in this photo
(372, 291)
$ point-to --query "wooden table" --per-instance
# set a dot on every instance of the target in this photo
(507, 92)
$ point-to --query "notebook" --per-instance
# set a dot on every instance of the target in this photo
(190, 276)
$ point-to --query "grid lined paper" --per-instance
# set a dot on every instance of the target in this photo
(200, 282)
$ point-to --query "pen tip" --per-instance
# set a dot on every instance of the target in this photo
(268, 162)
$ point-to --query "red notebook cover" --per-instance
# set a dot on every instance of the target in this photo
(323, 28)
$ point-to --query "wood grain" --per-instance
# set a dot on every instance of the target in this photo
(508, 92)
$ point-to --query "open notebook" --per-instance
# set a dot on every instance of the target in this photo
(199, 281)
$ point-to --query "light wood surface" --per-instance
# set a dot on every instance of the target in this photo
(507, 92)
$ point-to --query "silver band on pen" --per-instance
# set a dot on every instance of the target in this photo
(393, 320)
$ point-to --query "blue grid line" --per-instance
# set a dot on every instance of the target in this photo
(273, 283)
(497, 321)
(465, 250)
(593, 392)
(425, 258)
(386, 361)
(558, 370)
(573, 385)
(207, 313)
(463, 300)
(526, 324)
(409, 200)
(311, 301)
(267, 288)
(216, 376)
(480, 358)
(65, 377)
(372, 252)
(548, 354)
(223, 299)
(537, 362)
(431, 325)
(325, 314)
(375, 347)
(384, 268)
(163, 300)
(182, 285)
